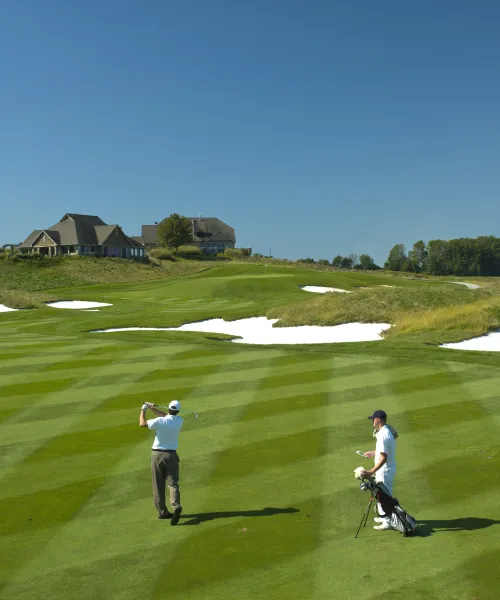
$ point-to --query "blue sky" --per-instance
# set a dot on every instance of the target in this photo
(313, 128)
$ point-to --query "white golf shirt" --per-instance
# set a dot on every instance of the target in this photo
(386, 444)
(167, 431)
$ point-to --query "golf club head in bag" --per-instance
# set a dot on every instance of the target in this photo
(400, 520)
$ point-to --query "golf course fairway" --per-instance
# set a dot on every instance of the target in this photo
(270, 503)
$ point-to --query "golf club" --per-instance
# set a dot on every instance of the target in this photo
(189, 412)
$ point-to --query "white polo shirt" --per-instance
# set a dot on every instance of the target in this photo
(386, 444)
(167, 431)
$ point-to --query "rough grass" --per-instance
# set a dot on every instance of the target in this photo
(23, 299)
(372, 305)
(19, 280)
(461, 321)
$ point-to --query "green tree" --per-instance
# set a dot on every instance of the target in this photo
(323, 261)
(418, 257)
(397, 258)
(347, 263)
(366, 262)
(438, 262)
(175, 231)
(337, 261)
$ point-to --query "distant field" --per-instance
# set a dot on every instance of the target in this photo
(270, 501)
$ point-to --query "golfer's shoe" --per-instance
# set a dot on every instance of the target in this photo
(379, 520)
(176, 516)
(165, 515)
(383, 526)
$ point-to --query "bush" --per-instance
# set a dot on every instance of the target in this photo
(161, 253)
(234, 253)
(189, 251)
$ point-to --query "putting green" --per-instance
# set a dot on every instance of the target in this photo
(271, 505)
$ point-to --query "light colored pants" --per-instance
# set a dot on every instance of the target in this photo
(165, 470)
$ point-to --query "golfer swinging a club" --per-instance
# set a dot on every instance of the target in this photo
(164, 458)
(384, 468)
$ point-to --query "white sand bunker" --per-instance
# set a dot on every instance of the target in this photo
(317, 289)
(76, 304)
(471, 286)
(487, 343)
(260, 330)
(4, 308)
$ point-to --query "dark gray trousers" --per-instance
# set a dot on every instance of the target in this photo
(165, 470)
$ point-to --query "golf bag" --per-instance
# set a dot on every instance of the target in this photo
(400, 519)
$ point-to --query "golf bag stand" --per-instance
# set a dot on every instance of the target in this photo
(365, 516)
(400, 520)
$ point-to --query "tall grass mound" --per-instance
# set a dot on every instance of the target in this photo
(23, 299)
(162, 253)
(21, 278)
(374, 305)
(454, 323)
(189, 251)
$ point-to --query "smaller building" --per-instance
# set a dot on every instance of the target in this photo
(81, 235)
(210, 234)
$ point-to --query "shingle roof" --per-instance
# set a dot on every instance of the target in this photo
(79, 230)
(30, 239)
(53, 235)
(213, 228)
(149, 234)
(103, 232)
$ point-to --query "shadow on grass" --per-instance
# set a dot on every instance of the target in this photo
(427, 528)
(199, 518)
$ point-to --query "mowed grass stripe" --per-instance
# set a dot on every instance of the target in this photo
(94, 438)
(443, 460)
(17, 440)
(362, 395)
(123, 500)
(38, 368)
(237, 461)
(18, 511)
(227, 384)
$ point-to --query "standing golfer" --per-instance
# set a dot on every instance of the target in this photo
(384, 468)
(164, 458)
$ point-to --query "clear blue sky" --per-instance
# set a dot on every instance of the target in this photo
(314, 128)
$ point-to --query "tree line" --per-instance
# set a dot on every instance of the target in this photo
(464, 256)
(353, 261)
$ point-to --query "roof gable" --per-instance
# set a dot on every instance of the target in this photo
(113, 235)
(210, 229)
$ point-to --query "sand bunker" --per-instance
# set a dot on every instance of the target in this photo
(471, 286)
(487, 343)
(76, 304)
(4, 308)
(317, 289)
(260, 330)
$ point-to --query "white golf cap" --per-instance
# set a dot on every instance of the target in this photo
(175, 405)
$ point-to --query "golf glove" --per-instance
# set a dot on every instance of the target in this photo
(145, 406)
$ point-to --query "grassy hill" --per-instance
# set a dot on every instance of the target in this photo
(270, 502)
(22, 282)
(422, 310)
